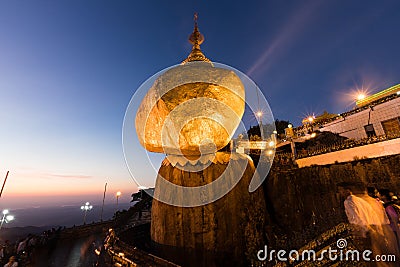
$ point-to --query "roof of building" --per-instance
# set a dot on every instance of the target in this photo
(381, 94)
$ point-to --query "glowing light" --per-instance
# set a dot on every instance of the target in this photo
(271, 143)
(398, 93)
(313, 135)
(361, 96)
(270, 152)
(118, 194)
(85, 209)
(310, 118)
(6, 219)
(259, 114)
(290, 125)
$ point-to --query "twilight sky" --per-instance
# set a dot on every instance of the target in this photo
(68, 70)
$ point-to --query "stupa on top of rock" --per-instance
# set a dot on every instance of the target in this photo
(190, 114)
(191, 109)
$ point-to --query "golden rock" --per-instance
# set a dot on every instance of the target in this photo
(191, 109)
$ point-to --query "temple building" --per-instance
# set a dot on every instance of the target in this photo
(376, 115)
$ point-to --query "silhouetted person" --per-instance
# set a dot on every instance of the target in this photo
(386, 197)
(373, 192)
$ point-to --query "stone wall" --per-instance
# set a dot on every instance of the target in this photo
(304, 202)
(86, 230)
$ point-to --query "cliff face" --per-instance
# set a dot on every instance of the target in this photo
(226, 232)
(293, 207)
(304, 202)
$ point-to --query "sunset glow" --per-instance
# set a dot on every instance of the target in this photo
(65, 84)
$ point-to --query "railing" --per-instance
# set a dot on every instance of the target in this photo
(322, 149)
(125, 255)
(284, 160)
(124, 246)
(85, 230)
(119, 259)
(341, 232)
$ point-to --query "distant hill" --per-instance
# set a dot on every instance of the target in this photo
(39, 219)
(15, 233)
(67, 215)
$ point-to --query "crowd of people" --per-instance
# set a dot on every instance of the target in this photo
(374, 216)
(20, 253)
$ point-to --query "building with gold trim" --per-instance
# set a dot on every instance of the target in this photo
(376, 115)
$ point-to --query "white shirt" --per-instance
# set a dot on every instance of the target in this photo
(14, 264)
(364, 210)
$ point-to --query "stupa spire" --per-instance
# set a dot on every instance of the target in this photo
(196, 39)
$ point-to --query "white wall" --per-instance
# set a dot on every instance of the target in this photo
(379, 149)
(353, 126)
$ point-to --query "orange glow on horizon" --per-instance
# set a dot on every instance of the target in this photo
(25, 183)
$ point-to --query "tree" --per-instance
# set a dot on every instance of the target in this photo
(268, 128)
(281, 126)
(321, 139)
(324, 117)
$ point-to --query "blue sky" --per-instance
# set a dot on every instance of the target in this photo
(68, 70)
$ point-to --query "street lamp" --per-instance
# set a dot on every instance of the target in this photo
(271, 143)
(6, 218)
(118, 194)
(259, 116)
(360, 96)
(85, 208)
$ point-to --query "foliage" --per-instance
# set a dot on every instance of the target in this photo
(322, 139)
(268, 128)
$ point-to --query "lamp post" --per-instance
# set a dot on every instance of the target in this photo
(290, 136)
(6, 218)
(360, 96)
(85, 208)
(118, 194)
(259, 116)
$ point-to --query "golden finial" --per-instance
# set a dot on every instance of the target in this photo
(196, 39)
(196, 16)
